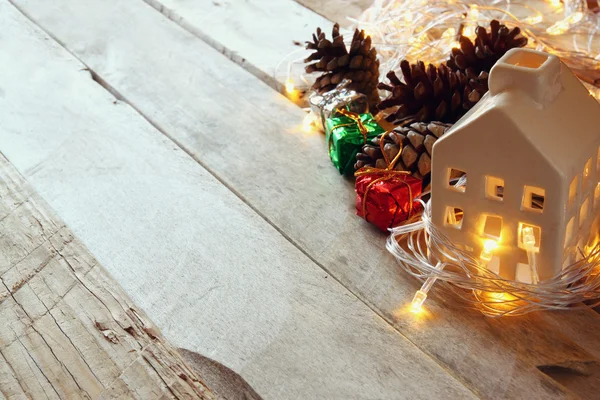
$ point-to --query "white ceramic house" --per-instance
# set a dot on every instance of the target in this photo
(531, 153)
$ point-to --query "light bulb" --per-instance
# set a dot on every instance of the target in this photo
(421, 294)
(528, 237)
(289, 85)
(487, 253)
(308, 122)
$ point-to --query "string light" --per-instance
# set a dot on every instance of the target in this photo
(489, 246)
(528, 239)
(555, 3)
(289, 85)
(421, 294)
(469, 281)
(420, 30)
(309, 122)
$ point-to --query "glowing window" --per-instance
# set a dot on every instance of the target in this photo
(573, 191)
(537, 234)
(494, 265)
(453, 177)
(454, 217)
(569, 231)
(494, 188)
(587, 172)
(584, 211)
(533, 199)
(523, 273)
(492, 226)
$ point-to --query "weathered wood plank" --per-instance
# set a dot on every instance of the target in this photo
(259, 35)
(339, 10)
(50, 344)
(181, 244)
(247, 136)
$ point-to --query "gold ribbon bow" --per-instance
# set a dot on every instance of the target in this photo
(388, 173)
(354, 117)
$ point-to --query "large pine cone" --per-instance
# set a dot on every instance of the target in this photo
(431, 94)
(487, 49)
(336, 62)
(416, 141)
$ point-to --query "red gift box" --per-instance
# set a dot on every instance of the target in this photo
(385, 197)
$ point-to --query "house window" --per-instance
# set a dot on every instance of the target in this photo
(533, 199)
(492, 226)
(573, 191)
(523, 273)
(454, 217)
(494, 188)
(453, 178)
(569, 231)
(494, 265)
(537, 234)
(587, 171)
(584, 211)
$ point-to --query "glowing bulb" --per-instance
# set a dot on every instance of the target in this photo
(498, 296)
(308, 122)
(490, 245)
(528, 237)
(487, 253)
(421, 294)
(562, 26)
(555, 3)
(449, 33)
(289, 85)
(473, 13)
(534, 20)
(418, 301)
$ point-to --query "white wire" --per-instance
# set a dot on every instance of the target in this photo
(419, 246)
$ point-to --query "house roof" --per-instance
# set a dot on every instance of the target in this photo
(557, 115)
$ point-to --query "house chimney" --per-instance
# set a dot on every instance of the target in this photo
(535, 73)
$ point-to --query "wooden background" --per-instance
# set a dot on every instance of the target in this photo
(154, 130)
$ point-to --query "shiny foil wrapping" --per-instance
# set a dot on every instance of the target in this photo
(386, 198)
(346, 132)
(323, 105)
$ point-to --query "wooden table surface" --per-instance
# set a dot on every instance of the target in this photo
(146, 151)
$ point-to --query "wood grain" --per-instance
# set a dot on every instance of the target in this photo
(263, 36)
(339, 10)
(249, 137)
(215, 277)
(68, 330)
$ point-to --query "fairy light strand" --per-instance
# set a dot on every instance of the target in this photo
(468, 279)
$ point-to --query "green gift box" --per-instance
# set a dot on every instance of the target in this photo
(346, 132)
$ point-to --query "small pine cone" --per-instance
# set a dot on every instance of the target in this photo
(431, 94)
(416, 141)
(336, 63)
(486, 51)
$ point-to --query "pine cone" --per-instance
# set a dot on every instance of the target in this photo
(417, 142)
(431, 94)
(487, 49)
(336, 62)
